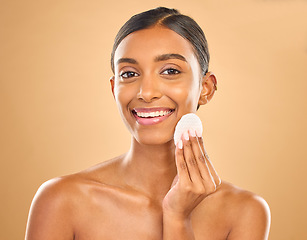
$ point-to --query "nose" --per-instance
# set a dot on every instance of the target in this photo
(150, 89)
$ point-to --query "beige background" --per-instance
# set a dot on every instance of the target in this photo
(58, 115)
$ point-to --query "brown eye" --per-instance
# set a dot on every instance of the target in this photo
(171, 71)
(129, 74)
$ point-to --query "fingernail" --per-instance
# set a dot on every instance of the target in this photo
(198, 133)
(186, 135)
(180, 144)
(192, 133)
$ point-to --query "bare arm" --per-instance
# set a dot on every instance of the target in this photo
(49, 216)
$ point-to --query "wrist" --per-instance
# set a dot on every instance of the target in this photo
(177, 226)
(176, 217)
(177, 222)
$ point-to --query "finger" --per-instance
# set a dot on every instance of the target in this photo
(203, 167)
(190, 160)
(213, 172)
(182, 169)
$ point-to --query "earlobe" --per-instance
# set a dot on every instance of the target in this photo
(209, 84)
(112, 85)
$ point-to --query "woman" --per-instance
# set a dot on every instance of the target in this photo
(156, 190)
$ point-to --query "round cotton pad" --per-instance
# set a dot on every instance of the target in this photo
(187, 122)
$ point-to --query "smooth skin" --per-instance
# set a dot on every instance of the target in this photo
(156, 190)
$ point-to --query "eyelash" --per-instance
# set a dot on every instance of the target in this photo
(122, 75)
(170, 71)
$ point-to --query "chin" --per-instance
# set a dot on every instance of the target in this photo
(154, 139)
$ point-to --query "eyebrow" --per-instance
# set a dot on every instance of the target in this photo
(126, 60)
(164, 57)
(159, 58)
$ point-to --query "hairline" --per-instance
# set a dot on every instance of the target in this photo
(161, 24)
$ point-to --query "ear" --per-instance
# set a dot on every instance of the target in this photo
(209, 84)
(112, 85)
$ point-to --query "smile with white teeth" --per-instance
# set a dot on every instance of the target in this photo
(152, 114)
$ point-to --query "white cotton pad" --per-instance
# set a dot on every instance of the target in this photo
(187, 122)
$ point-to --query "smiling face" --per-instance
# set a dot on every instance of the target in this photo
(157, 80)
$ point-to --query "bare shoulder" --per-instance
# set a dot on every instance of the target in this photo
(58, 191)
(241, 198)
(249, 213)
(71, 188)
(50, 212)
(60, 202)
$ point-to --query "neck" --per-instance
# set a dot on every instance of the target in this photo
(150, 168)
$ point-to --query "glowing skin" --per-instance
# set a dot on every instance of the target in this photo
(155, 69)
(157, 80)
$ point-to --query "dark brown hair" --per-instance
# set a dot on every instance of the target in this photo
(174, 20)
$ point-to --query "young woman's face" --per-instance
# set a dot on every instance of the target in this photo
(157, 80)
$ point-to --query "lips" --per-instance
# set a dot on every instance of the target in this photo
(150, 116)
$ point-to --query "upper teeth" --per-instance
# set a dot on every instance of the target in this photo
(153, 114)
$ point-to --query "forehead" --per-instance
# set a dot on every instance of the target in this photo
(149, 43)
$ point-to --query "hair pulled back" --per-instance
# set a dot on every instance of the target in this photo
(174, 20)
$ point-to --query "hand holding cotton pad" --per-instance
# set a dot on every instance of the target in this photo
(187, 122)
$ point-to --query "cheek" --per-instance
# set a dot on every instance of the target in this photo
(123, 95)
(185, 95)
